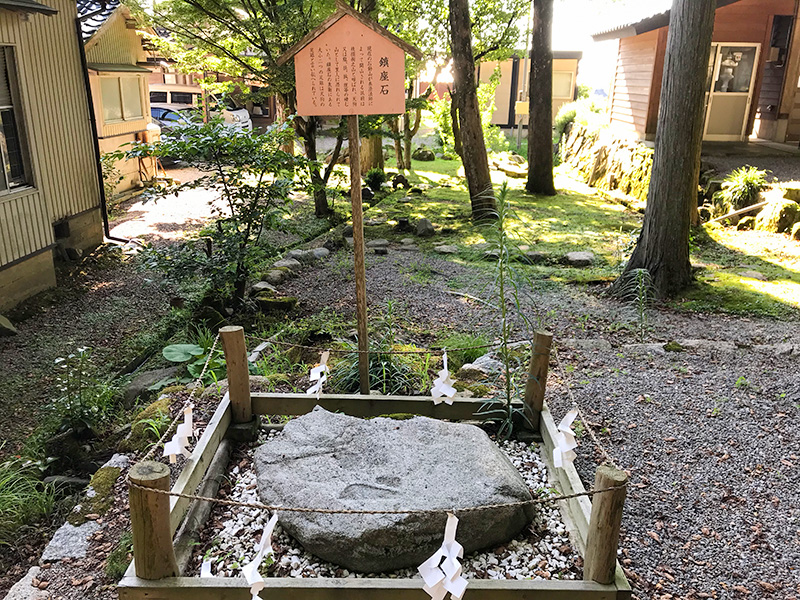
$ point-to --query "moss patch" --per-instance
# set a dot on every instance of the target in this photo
(140, 435)
(99, 495)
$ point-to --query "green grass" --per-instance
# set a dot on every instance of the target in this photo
(24, 499)
(578, 219)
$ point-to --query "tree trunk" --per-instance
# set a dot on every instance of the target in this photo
(540, 103)
(371, 153)
(394, 125)
(309, 131)
(474, 158)
(663, 245)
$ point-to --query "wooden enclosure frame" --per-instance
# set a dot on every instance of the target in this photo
(576, 512)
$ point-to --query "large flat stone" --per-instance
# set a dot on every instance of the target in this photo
(327, 460)
(69, 542)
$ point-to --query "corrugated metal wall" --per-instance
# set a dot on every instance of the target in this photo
(106, 45)
(56, 122)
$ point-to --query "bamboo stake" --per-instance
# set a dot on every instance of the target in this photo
(238, 373)
(537, 377)
(154, 555)
(358, 252)
(602, 539)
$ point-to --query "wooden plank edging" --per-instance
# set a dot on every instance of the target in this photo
(288, 588)
(357, 405)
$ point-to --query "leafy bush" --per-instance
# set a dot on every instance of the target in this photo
(24, 499)
(493, 136)
(584, 111)
(457, 358)
(375, 178)
(740, 189)
(253, 177)
(195, 355)
(86, 402)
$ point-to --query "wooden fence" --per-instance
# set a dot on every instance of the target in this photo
(157, 518)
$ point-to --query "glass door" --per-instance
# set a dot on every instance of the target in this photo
(730, 91)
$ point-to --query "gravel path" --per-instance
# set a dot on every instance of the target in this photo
(707, 434)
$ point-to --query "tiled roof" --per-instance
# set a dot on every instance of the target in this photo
(100, 12)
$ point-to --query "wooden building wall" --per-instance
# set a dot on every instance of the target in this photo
(633, 83)
(55, 119)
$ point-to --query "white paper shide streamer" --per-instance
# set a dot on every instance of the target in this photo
(319, 374)
(564, 451)
(442, 571)
(264, 548)
(443, 385)
(179, 444)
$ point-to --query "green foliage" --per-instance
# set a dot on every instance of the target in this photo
(584, 91)
(456, 357)
(120, 557)
(85, 402)
(637, 289)
(388, 373)
(444, 123)
(24, 499)
(584, 111)
(493, 136)
(252, 177)
(375, 178)
(196, 355)
(112, 176)
(740, 189)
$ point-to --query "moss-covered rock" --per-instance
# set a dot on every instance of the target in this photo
(479, 389)
(778, 216)
(98, 497)
(140, 435)
(673, 346)
(796, 231)
(746, 223)
(268, 304)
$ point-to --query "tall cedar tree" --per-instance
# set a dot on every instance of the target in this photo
(540, 102)
(663, 245)
(476, 162)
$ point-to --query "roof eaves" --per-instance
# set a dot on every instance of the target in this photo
(27, 6)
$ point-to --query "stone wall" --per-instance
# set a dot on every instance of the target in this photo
(607, 162)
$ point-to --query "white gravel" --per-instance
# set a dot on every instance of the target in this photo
(541, 552)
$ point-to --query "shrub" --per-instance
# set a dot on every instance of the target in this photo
(740, 189)
(86, 402)
(24, 499)
(583, 111)
(375, 178)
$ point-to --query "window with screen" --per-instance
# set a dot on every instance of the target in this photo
(562, 84)
(13, 153)
(121, 98)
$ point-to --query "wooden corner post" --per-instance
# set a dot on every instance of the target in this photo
(602, 539)
(238, 373)
(537, 377)
(153, 552)
(358, 252)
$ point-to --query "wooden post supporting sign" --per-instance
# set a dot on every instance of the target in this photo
(350, 65)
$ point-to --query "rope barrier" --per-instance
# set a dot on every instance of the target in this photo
(354, 351)
(345, 511)
(565, 381)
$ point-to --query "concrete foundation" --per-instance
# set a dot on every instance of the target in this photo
(26, 278)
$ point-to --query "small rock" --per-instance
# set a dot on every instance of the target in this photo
(409, 248)
(746, 223)
(379, 243)
(69, 542)
(425, 228)
(407, 241)
(269, 304)
(753, 275)
(415, 191)
(273, 276)
(288, 263)
(403, 224)
(348, 241)
(400, 180)
(534, 258)
(381, 251)
(296, 254)
(367, 194)
(25, 590)
(321, 252)
(374, 222)
(141, 384)
(480, 369)
(74, 253)
(7, 327)
(347, 232)
(423, 154)
(262, 287)
(446, 249)
(579, 259)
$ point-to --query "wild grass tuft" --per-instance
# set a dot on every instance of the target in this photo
(24, 499)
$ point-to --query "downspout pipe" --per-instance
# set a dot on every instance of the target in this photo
(93, 124)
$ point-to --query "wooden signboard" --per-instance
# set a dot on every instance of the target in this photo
(350, 65)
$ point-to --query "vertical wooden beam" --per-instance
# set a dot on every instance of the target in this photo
(358, 252)
(537, 377)
(154, 555)
(602, 540)
(238, 373)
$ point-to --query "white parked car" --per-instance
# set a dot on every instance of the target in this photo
(170, 115)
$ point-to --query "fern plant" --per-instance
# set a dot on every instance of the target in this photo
(740, 189)
(637, 290)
